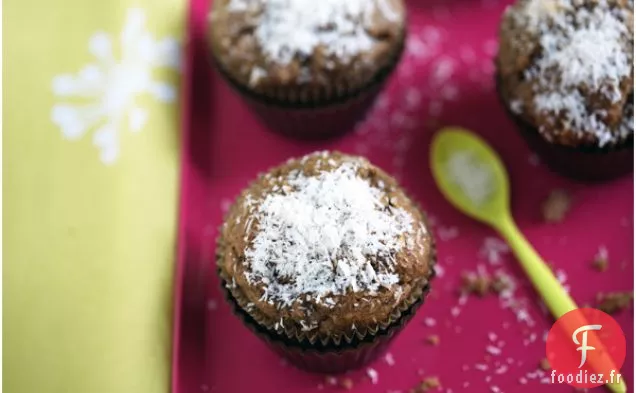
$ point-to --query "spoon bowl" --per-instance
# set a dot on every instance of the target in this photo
(490, 206)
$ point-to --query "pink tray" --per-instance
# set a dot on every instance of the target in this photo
(444, 78)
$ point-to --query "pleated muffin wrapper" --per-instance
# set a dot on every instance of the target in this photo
(309, 113)
(328, 354)
(584, 163)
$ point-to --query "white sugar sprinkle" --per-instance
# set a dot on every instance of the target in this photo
(501, 369)
(439, 270)
(561, 276)
(491, 349)
(388, 358)
(442, 70)
(430, 322)
(373, 375)
(492, 250)
(335, 216)
(472, 176)
(481, 367)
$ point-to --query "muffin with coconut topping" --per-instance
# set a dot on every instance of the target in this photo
(302, 60)
(325, 257)
(565, 73)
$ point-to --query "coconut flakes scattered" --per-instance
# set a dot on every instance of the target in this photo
(561, 276)
(373, 375)
(501, 369)
(481, 367)
(439, 270)
(492, 250)
(329, 234)
(472, 176)
(430, 322)
(492, 350)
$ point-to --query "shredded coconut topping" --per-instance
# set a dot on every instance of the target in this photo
(290, 28)
(583, 47)
(327, 235)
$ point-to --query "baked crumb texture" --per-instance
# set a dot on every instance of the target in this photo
(566, 67)
(556, 206)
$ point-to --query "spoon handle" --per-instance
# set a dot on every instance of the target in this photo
(554, 295)
(546, 284)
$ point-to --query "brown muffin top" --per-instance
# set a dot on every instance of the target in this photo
(327, 244)
(268, 44)
(566, 67)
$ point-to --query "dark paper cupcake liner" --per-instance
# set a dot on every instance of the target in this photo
(333, 354)
(314, 115)
(330, 358)
(583, 163)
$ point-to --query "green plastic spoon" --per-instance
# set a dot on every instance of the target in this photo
(488, 201)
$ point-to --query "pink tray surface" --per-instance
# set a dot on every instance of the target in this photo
(444, 78)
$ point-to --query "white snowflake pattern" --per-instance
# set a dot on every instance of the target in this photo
(102, 95)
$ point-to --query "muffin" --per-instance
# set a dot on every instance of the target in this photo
(309, 69)
(325, 258)
(565, 74)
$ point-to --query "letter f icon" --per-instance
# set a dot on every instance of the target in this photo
(583, 344)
